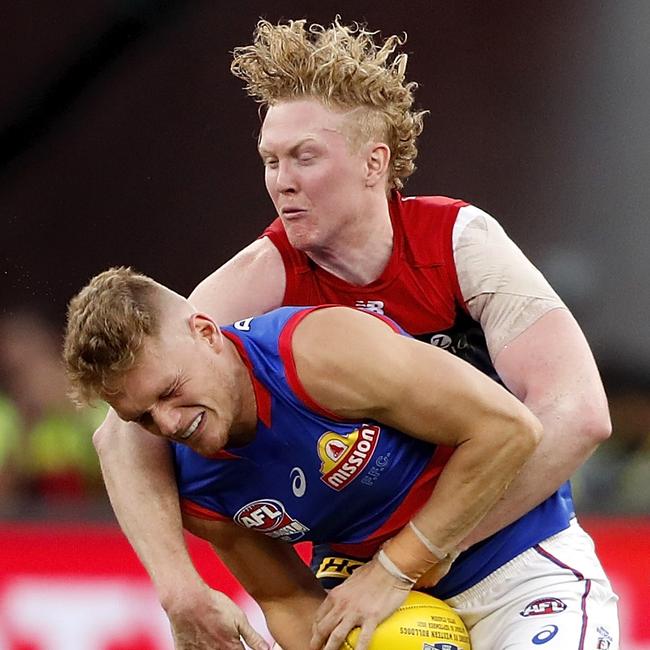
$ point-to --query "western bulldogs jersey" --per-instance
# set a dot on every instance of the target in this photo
(310, 475)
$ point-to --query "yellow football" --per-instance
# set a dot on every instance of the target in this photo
(421, 623)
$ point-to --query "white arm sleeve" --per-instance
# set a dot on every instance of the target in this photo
(502, 289)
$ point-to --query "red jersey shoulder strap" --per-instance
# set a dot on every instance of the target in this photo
(426, 224)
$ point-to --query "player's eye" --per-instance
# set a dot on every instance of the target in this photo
(145, 419)
(171, 392)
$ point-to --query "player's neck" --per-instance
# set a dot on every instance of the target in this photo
(244, 424)
(359, 254)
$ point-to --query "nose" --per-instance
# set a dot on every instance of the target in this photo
(285, 179)
(167, 419)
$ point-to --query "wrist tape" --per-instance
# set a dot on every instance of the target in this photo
(393, 569)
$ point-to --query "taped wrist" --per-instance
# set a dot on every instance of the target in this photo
(436, 551)
(413, 553)
(391, 568)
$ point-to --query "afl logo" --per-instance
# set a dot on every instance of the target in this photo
(269, 516)
(263, 515)
(440, 341)
(542, 607)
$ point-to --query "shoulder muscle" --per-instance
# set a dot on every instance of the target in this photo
(502, 289)
(250, 283)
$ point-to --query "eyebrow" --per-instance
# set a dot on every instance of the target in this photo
(293, 148)
(169, 388)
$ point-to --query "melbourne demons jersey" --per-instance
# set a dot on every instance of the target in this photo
(418, 288)
(309, 475)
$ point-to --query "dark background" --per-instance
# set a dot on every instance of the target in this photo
(124, 139)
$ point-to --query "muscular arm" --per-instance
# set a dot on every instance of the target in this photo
(541, 355)
(272, 573)
(354, 365)
(136, 465)
(550, 368)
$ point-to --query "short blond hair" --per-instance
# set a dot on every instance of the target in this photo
(342, 66)
(108, 322)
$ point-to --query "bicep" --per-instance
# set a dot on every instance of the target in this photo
(502, 289)
(551, 361)
(251, 283)
(356, 366)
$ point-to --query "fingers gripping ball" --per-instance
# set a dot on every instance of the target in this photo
(421, 623)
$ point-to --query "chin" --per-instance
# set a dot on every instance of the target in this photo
(207, 450)
(302, 238)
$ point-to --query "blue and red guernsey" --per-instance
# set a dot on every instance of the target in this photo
(419, 290)
(308, 474)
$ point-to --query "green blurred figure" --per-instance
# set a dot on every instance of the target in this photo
(46, 449)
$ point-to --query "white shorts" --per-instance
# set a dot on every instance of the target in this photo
(554, 596)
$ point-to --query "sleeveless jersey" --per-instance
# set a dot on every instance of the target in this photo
(419, 287)
(309, 475)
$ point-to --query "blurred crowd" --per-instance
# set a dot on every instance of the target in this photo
(47, 460)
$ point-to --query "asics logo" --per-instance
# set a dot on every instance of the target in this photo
(298, 481)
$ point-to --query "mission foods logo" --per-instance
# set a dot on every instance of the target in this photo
(345, 456)
(269, 516)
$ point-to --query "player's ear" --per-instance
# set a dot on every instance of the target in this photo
(203, 327)
(377, 162)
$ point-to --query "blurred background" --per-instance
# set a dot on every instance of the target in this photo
(124, 139)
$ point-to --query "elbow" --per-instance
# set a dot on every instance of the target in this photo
(524, 433)
(106, 436)
(533, 431)
(594, 425)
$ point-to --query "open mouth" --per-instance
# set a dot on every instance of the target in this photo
(193, 426)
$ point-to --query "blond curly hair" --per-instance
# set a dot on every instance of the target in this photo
(108, 322)
(344, 67)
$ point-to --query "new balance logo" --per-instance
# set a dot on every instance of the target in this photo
(375, 306)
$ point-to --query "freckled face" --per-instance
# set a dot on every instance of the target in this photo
(314, 178)
(182, 390)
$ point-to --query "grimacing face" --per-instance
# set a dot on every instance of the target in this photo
(182, 387)
(314, 177)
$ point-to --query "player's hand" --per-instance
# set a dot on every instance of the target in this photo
(211, 620)
(364, 600)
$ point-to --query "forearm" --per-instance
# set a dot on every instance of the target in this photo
(473, 480)
(567, 442)
(550, 368)
(290, 620)
(140, 482)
